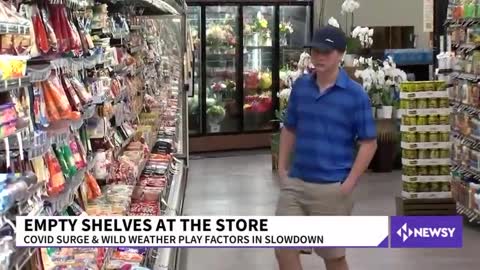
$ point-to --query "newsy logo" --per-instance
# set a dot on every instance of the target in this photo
(426, 232)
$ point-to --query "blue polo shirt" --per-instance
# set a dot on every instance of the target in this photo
(327, 126)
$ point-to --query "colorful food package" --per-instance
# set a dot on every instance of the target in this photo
(77, 154)
(94, 190)
(39, 33)
(56, 182)
(81, 90)
(72, 96)
(52, 38)
(56, 97)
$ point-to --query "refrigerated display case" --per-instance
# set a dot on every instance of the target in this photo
(242, 48)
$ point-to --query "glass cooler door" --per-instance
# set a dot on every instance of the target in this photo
(223, 110)
(294, 30)
(195, 101)
(258, 56)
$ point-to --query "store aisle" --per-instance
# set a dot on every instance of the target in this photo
(223, 186)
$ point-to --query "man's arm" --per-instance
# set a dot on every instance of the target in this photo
(287, 140)
(365, 154)
(366, 132)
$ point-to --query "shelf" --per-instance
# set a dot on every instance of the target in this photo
(426, 94)
(432, 128)
(14, 28)
(426, 162)
(66, 197)
(463, 22)
(426, 145)
(427, 179)
(465, 76)
(10, 84)
(174, 204)
(425, 112)
(469, 141)
(473, 215)
(426, 195)
(466, 108)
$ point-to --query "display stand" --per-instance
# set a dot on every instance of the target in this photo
(425, 149)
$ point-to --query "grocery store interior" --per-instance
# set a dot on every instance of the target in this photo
(175, 108)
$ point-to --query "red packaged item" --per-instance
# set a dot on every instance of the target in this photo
(57, 94)
(57, 27)
(52, 38)
(94, 190)
(52, 112)
(83, 94)
(41, 36)
(71, 94)
(56, 182)
(77, 156)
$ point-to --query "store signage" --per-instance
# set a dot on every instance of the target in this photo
(426, 232)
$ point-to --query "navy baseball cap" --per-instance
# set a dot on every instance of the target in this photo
(328, 38)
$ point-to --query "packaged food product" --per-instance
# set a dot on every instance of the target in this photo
(433, 170)
(412, 104)
(435, 187)
(409, 170)
(432, 120)
(434, 137)
(422, 120)
(446, 186)
(404, 103)
(444, 170)
(13, 67)
(422, 137)
(443, 103)
(419, 86)
(422, 103)
(440, 85)
(422, 170)
(443, 120)
(423, 154)
(56, 183)
(412, 187)
(444, 153)
(429, 86)
(435, 154)
(433, 103)
(423, 187)
(444, 137)
(410, 154)
(409, 137)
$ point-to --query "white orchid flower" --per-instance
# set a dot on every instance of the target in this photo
(356, 62)
(370, 62)
(333, 22)
(356, 31)
(370, 32)
(349, 6)
(361, 60)
(358, 74)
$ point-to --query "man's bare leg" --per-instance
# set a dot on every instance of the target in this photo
(336, 264)
(288, 259)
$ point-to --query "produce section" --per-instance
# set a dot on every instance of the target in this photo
(93, 103)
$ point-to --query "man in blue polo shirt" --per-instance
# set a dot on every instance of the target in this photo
(327, 115)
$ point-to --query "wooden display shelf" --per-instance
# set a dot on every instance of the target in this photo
(425, 207)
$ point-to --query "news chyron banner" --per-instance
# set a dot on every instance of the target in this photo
(208, 231)
(241, 232)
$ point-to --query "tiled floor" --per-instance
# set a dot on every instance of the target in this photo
(223, 186)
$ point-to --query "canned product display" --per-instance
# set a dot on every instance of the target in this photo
(412, 104)
(435, 187)
(404, 104)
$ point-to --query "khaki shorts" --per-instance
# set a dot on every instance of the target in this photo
(299, 198)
